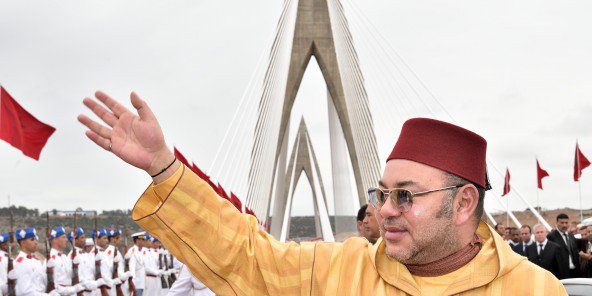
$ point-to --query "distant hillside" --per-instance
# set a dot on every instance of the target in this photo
(527, 217)
(24, 217)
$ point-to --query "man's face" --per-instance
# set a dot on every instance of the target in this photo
(88, 248)
(516, 235)
(370, 225)
(140, 242)
(4, 247)
(501, 230)
(147, 244)
(29, 245)
(102, 241)
(427, 230)
(80, 241)
(59, 243)
(590, 233)
(540, 234)
(525, 235)
(507, 233)
(563, 224)
(118, 239)
(584, 233)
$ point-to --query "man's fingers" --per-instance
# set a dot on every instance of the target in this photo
(102, 142)
(112, 104)
(95, 127)
(143, 110)
(101, 112)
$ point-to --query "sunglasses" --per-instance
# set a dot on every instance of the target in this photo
(401, 199)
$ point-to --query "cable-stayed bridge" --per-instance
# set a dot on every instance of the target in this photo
(371, 91)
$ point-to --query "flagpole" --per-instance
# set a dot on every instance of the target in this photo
(508, 211)
(537, 187)
(580, 188)
(579, 178)
(538, 203)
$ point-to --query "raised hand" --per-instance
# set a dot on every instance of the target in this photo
(136, 139)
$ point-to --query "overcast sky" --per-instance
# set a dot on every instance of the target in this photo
(517, 72)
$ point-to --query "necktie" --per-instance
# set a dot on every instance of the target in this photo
(567, 243)
(540, 248)
(524, 248)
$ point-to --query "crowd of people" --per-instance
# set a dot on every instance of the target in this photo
(77, 264)
(565, 251)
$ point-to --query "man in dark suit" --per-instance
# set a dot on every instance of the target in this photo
(561, 236)
(525, 241)
(546, 253)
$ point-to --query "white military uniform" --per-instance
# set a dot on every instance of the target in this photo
(62, 273)
(187, 284)
(3, 272)
(136, 266)
(86, 271)
(153, 285)
(31, 279)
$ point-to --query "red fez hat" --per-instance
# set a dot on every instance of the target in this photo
(444, 146)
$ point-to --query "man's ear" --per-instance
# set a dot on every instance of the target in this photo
(465, 204)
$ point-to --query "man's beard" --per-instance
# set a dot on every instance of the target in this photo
(432, 242)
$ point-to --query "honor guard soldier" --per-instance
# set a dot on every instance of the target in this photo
(101, 245)
(4, 241)
(29, 271)
(153, 285)
(62, 266)
(136, 261)
(85, 261)
(114, 257)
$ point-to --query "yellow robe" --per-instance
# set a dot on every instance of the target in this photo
(230, 255)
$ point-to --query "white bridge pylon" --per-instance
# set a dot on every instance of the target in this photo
(320, 31)
(304, 161)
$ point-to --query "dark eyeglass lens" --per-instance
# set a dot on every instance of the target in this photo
(403, 197)
(380, 197)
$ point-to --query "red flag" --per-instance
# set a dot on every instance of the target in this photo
(250, 212)
(21, 129)
(180, 157)
(507, 183)
(203, 175)
(222, 192)
(581, 162)
(540, 175)
(236, 202)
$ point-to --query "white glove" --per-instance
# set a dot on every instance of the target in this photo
(54, 293)
(116, 259)
(100, 282)
(79, 288)
(98, 257)
(126, 275)
(64, 291)
(160, 272)
(116, 282)
(105, 282)
(90, 285)
(76, 260)
(127, 256)
(50, 263)
(12, 275)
